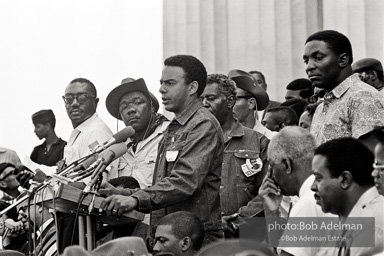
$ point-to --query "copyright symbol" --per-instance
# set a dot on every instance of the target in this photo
(282, 238)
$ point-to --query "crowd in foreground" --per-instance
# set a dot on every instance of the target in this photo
(233, 173)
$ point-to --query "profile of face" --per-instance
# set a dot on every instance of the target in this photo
(272, 122)
(243, 107)
(322, 64)
(278, 173)
(259, 80)
(378, 171)
(135, 110)
(41, 130)
(305, 120)
(368, 77)
(83, 102)
(327, 188)
(8, 179)
(215, 101)
(175, 93)
(166, 241)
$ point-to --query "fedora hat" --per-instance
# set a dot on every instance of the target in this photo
(128, 85)
(367, 64)
(247, 82)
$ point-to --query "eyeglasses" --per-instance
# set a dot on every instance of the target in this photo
(81, 98)
(379, 167)
(8, 174)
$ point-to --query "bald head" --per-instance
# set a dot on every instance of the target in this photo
(294, 143)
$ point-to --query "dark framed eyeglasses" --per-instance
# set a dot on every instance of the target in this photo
(81, 98)
(8, 174)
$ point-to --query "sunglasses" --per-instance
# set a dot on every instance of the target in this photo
(81, 98)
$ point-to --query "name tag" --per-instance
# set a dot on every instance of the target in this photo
(251, 167)
(171, 155)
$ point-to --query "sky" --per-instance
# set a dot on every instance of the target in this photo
(45, 44)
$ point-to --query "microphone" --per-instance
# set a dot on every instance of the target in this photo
(91, 163)
(111, 154)
(120, 136)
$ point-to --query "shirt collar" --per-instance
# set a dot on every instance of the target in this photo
(189, 111)
(84, 126)
(366, 198)
(306, 186)
(237, 131)
(339, 90)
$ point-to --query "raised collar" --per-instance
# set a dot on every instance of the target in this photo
(344, 86)
(237, 131)
(365, 199)
(189, 111)
(87, 124)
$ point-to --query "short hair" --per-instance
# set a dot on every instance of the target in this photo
(336, 41)
(350, 154)
(184, 224)
(295, 143)
(226, 85)
(285, 114)
(298, 105)
(125, 182)
(85, 81)
(5, 165)
(303, 85)
(258, 72)
(45, 116)
(193, 68)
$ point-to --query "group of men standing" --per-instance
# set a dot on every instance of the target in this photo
(214, 157)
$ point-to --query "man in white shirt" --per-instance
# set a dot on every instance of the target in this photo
(290, 156)
(81, 102)
(344, 186)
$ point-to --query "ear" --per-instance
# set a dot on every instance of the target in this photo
(252, 104)
(193, 86)
(343, 60)
(288, 165)
(152, 107)
(186, 243)
(345, 180)
(96, 101)
(231, 100)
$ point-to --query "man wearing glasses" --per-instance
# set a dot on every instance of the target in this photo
(249, 99)
(81, 102)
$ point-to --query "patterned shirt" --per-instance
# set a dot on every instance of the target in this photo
(351, 109)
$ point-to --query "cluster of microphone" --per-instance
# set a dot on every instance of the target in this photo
(102, 156)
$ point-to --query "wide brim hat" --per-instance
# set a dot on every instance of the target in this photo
(367, 64)
(128, 85)
(247, 82)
